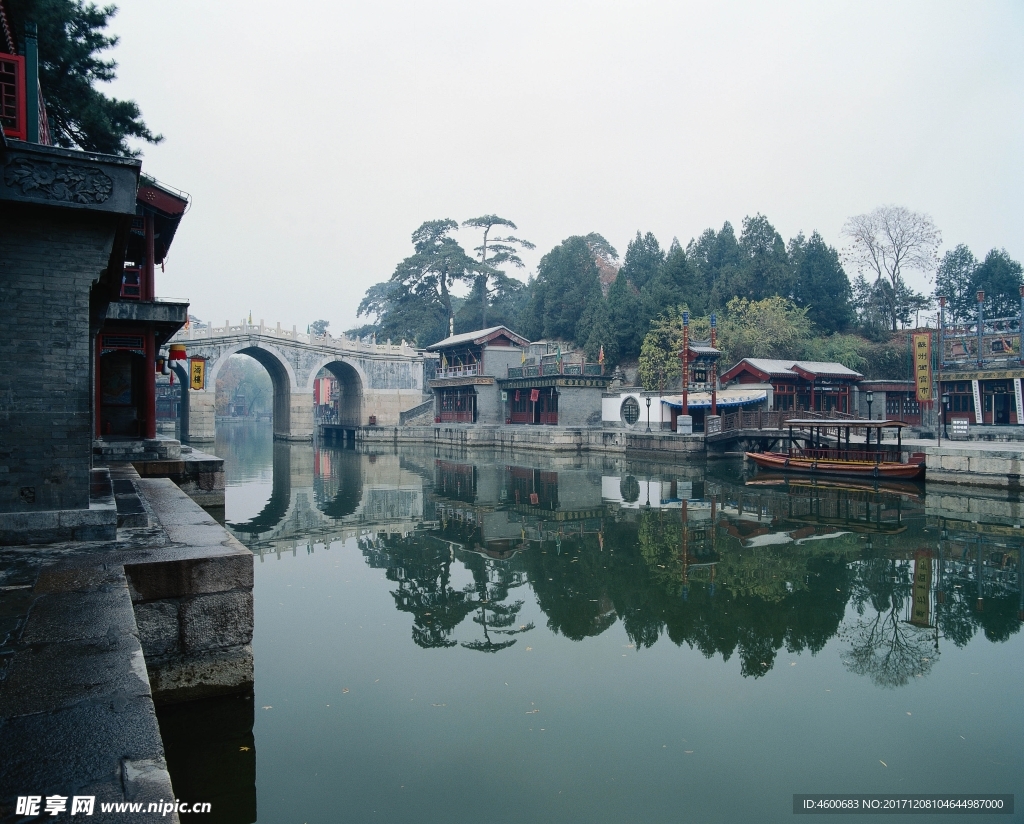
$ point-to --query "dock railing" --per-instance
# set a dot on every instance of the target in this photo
(778, 419)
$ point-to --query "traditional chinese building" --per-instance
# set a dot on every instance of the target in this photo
(80, 235)
(981, 367)
(465, 385)
(135, 324)
(494, 376)
(799, 385)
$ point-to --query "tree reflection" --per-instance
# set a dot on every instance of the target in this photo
(888, 650)
(421, 566)
(422, 570)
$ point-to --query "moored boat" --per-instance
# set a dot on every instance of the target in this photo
(864, 460)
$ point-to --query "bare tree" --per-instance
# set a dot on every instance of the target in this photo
(889, 240)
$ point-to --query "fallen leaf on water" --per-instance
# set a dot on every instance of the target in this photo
(880, 761)
(344, 690)
(268, 708)
(529, 648)
(688, 752)
(963, 737)
(439, 705)
(243, 749)
(532, 712)
(908, 713)
(792, 663)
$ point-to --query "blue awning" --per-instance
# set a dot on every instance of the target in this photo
(726, 398)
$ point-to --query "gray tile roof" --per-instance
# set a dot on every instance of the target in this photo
(775, 366)
(474, 337)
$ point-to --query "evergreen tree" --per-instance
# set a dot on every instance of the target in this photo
(677, 283)
(566, 285)
(493, 252)
(718, 263)
(624, 316)
(71, 37)
(416, 303)
(821, 285)
(999, 276)
(766, 269)
(954, 280)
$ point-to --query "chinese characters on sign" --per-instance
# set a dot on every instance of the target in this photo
(197, 373)
(29, 804)
(923, 365)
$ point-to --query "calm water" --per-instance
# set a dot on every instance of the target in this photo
(448, 637)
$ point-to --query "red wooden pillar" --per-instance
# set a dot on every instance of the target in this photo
(149, 387)
(149, 270)
(685, 355)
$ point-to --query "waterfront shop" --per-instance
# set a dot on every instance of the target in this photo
(465, 383)
(981, 370)
(553, 388)
(801, 386)
(897, 400)
(494, 376)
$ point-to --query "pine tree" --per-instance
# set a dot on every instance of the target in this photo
(71, 37)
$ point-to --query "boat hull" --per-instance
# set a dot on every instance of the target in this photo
(832, 466)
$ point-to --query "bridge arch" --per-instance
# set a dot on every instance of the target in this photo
(282, 376)
(352, 381)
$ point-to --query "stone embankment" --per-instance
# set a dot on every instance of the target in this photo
(976, 463)
(547, 438)
(94, 634)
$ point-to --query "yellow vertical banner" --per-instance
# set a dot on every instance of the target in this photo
(921, 611)
(923, 365)
(197, 373)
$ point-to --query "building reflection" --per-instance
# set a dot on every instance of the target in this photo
(698, 557)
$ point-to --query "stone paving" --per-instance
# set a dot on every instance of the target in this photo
(94, 635)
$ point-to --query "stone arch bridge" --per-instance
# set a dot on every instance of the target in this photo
(380, 380)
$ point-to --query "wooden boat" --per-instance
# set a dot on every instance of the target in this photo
(819, 457)
(870, 486)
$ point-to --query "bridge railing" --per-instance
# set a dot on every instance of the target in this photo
(198, 332)
(777, 419)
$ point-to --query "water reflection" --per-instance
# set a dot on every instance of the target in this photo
(728, 565)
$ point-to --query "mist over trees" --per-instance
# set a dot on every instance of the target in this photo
(801, 298)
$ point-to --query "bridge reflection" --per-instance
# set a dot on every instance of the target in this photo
(702, 558)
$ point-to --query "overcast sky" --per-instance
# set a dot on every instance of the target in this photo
(314, 136)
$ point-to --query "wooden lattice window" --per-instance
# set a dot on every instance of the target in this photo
(12, 96)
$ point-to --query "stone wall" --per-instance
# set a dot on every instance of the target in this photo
(48, 262)
(974, 466)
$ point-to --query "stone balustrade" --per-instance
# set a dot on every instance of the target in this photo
(197, 331)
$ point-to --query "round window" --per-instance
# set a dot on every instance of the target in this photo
(630, 411)
(629, 489)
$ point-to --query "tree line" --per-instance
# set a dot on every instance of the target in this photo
(772, 298)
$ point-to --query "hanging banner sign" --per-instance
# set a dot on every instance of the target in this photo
(1017, 397)
(979, 413)
(923, 365)
(921, 610)
(534, 395)
(197, 373)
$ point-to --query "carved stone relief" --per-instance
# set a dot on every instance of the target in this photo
(58, 181)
